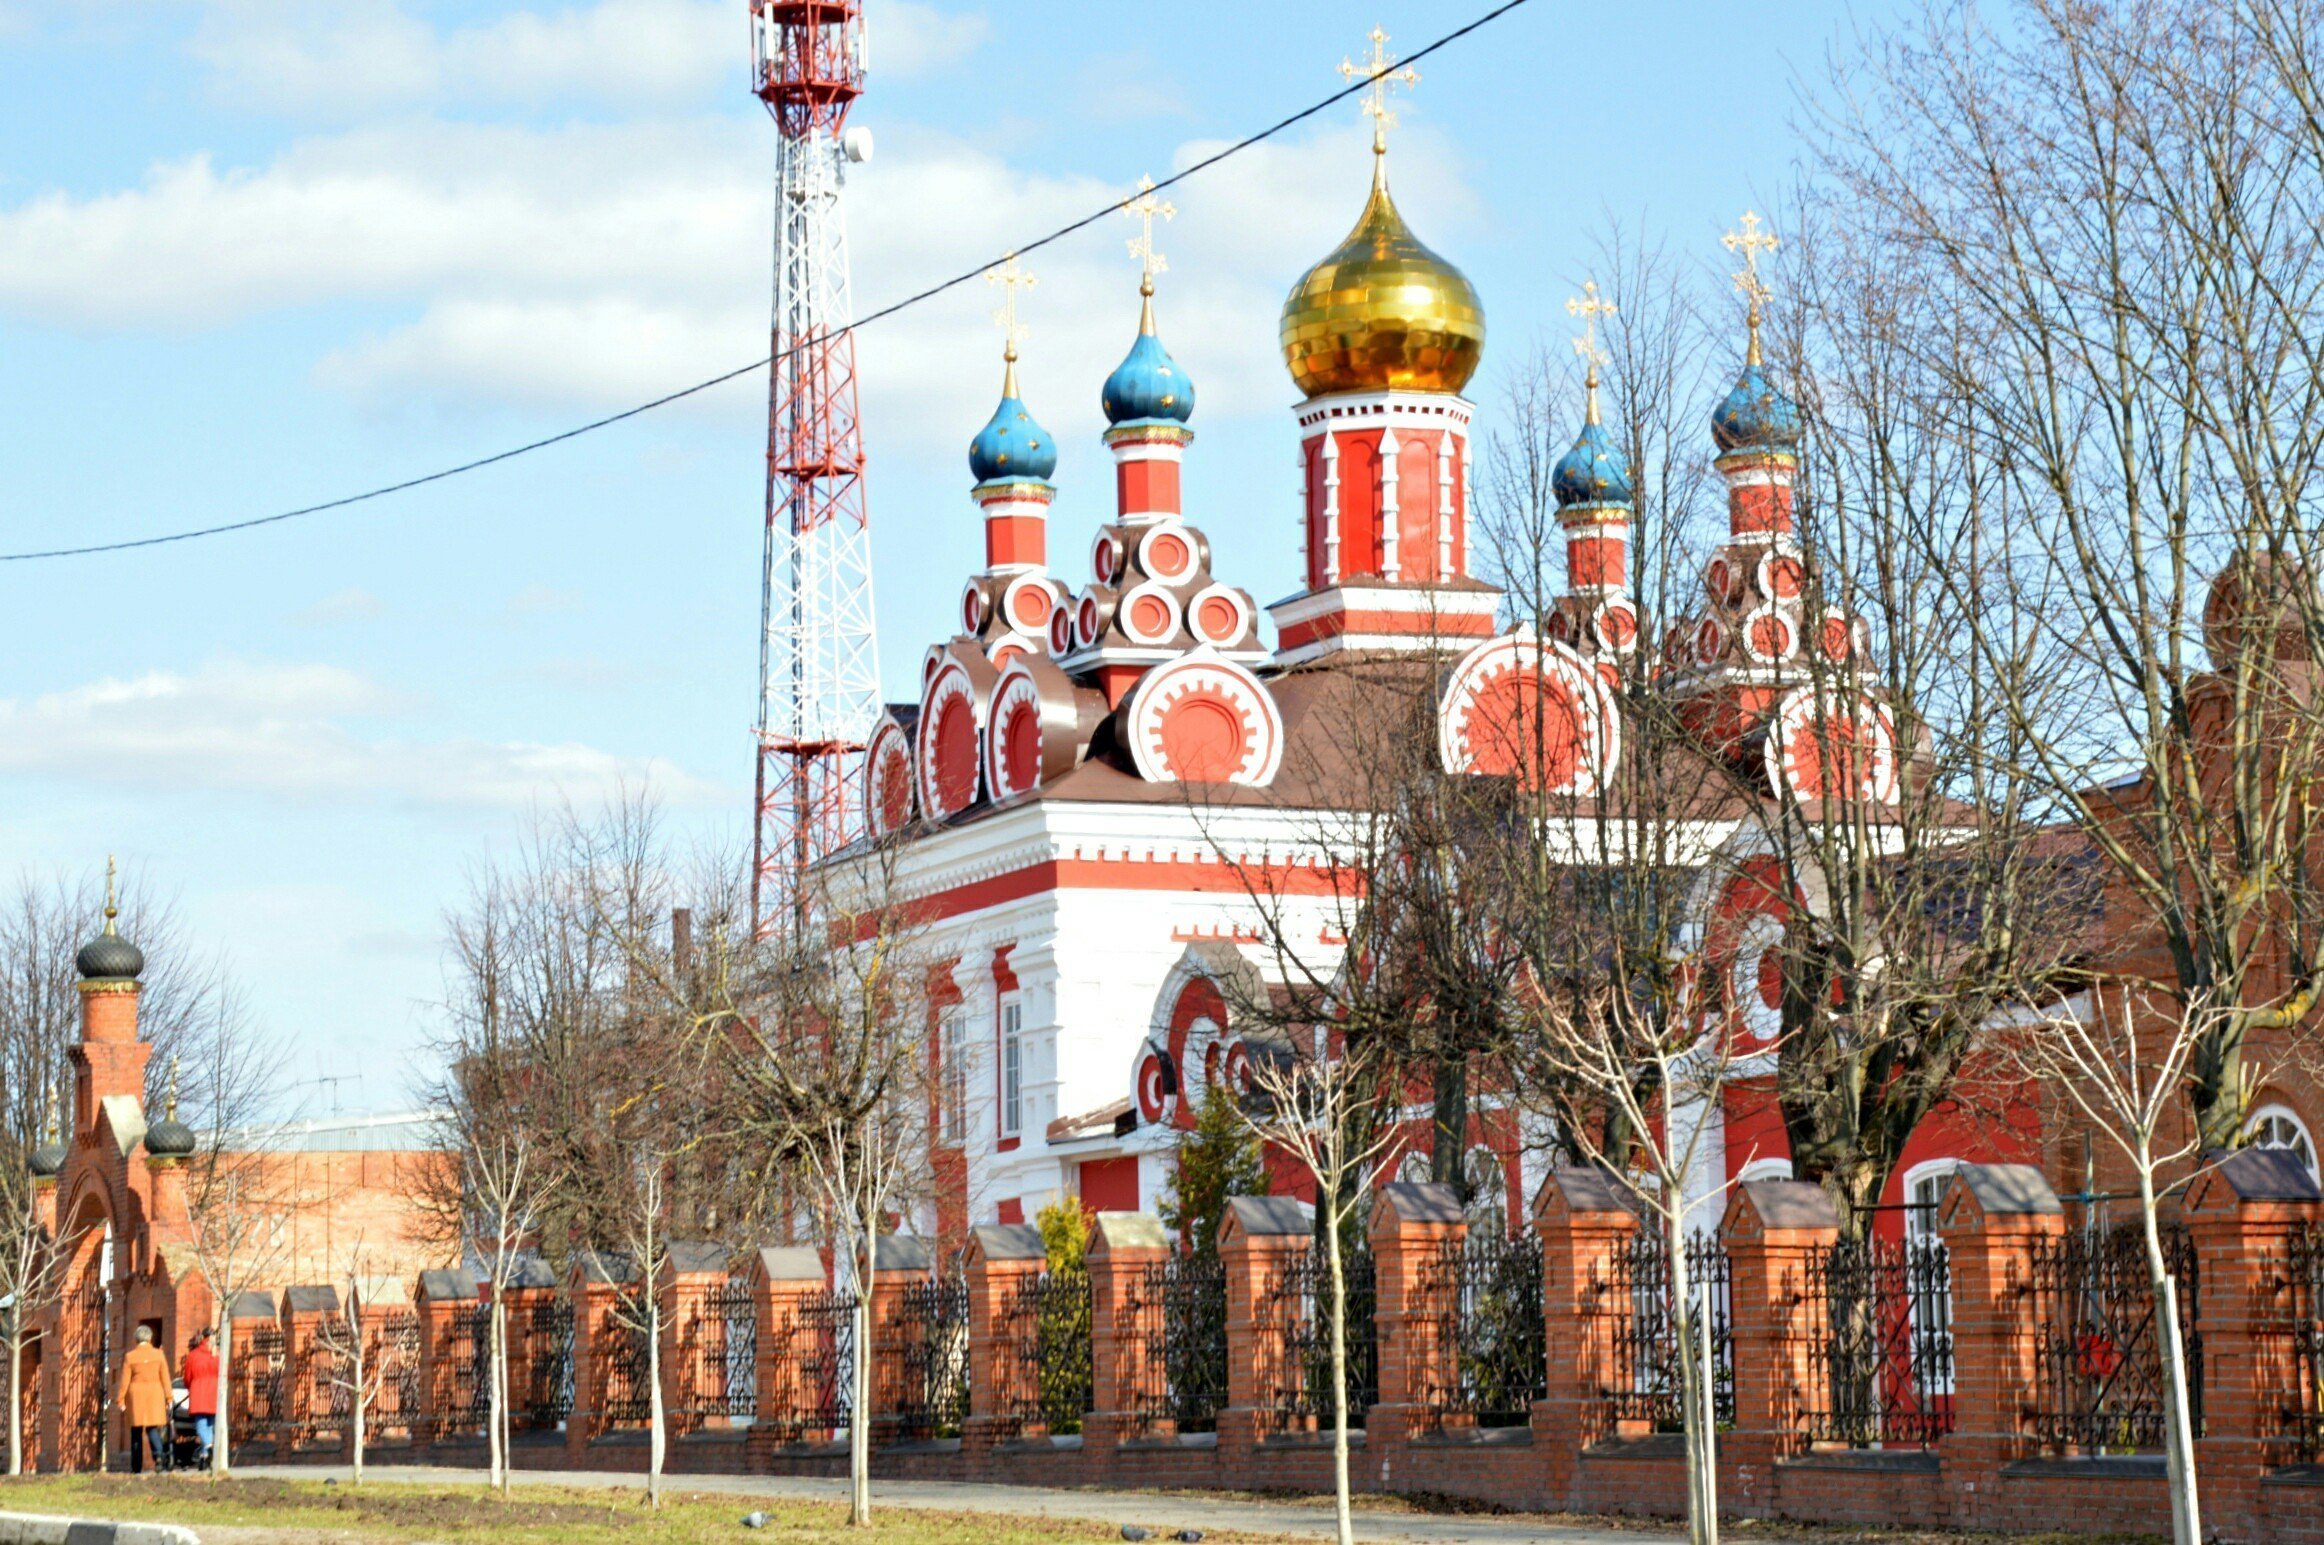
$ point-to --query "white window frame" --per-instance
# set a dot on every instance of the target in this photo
(1012, 1065)
(1920, 1231)
(952, 1049)
(2278, 1111)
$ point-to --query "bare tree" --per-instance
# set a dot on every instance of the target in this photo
(31, 1268)
(354, 1374)
(2112, 213)
(821, 1036)
(2122, 1054)
(1648, 1064)
(1323, 1110)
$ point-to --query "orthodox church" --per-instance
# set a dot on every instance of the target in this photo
(1104, 772)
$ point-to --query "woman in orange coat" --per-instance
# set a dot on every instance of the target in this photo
(145, 1396)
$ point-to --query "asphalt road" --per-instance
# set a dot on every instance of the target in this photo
(1164, 1514)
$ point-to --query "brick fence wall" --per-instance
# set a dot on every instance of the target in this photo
(954, 1395)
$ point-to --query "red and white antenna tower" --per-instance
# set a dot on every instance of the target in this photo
(819, 691)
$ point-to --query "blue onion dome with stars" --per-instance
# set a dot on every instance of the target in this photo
(1594, 472)
(1147, 387)
(1756, 415)
(1012, 448)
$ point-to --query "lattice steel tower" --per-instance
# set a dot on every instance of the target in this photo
(818, 660)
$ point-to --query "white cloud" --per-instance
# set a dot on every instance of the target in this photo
(591, 267)
(343, 60)
(301, 731)
(351, 605)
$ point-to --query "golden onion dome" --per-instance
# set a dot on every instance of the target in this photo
(1382, 311)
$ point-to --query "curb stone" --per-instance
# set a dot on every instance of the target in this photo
(39, 1529)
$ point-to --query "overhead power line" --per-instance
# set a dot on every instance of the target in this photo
(1360, 84)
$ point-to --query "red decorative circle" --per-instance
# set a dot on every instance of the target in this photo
(1085, 621)
(1719, 580)
(1710, 641)
(1239, 1068)
(1616, 626)
(1166, 554)
(1833, 637)
(1770, 635)
(1781, 576)
(1105, 558)
(953, 748)
(1061, 630)
(1021, 745)
(1204, 738)
(1157, 1089)
(972, 608)
(1149, 616)
(1029, 607)
(1523, 723)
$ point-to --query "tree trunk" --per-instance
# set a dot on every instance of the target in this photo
(1697, 1399)
(859, 1405)
(222, 1445)
(15, 1402)
(2178, 1422)
(1450, 1126)
(654, 1431)
(1341, 1513)
(497, 1366)
(358, 1399)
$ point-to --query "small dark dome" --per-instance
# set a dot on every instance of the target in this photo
(169, 1138)
(110, 958)
(47, 1161)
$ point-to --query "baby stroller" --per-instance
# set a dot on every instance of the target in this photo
(184, 1447)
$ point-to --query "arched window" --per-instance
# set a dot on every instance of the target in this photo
(1488, 1185)
(2274, 1126)
(1924, 1184)
(1413, 1168)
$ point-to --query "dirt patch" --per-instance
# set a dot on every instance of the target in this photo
(417, 1511)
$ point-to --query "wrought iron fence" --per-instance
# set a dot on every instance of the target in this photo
(1297, 1304)
(2301, 1415)
(625, 1377)
(816, 1370)
(548, 1361)
(393, 1347)
(718, 1339)
(464, 1380)
(257, 1352)
(928, 1328)
(2097, 1336)
(1632, 1304)
(1480, 1318)
(1177, 1337)
(1042, 1336)
(1875, 1320)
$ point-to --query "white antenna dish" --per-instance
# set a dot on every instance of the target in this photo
(857, 144)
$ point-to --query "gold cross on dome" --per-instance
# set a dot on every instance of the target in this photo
(1380, 69)
(1144, 208)
(1589, 306)
(1011, 278)
(1750, 241)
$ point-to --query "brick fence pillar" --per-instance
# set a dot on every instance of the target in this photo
(1991, 1217)
(900, 1262)
(443, 1297)
(1257, 1237)
(1003, 1258)
(309, 1363)
(1773, 1229)
(782, 1280)
(1125, 1378)
(380, 1298)
(1586, 1221)
(2243, 1213)
(597, 1289)
(1412, 1222)
(693, 1334)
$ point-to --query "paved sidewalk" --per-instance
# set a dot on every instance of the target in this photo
(1165, 1515)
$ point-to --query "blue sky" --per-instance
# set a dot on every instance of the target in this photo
(255, 253)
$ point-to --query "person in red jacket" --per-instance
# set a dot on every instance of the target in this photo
(200, 1368)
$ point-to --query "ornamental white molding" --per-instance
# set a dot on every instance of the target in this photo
(1203, 682)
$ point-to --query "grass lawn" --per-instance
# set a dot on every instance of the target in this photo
(271, 1512)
